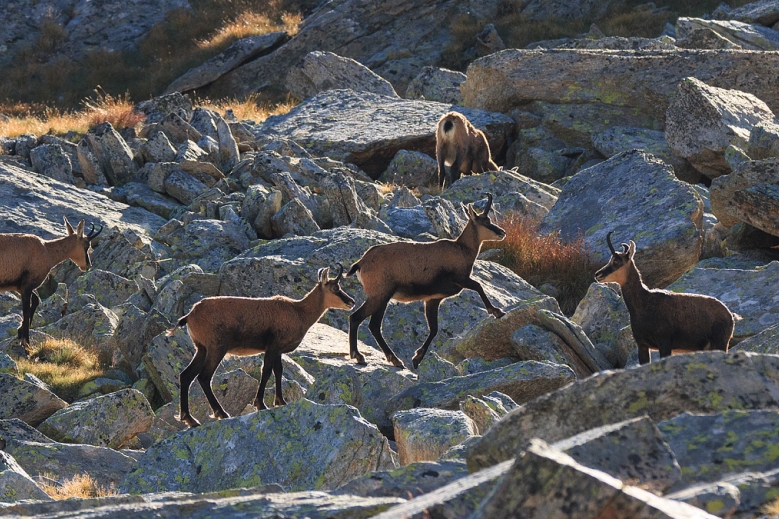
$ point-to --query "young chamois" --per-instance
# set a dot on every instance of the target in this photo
(461, 146)
(26, 259)
(663, 320)
(413, 271)
(247, 326)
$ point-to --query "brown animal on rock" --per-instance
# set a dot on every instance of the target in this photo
(414, 271)
(247, 326)
(26, 260)
(663, 320)
(461, 146)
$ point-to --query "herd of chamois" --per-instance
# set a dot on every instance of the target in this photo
(401, 271)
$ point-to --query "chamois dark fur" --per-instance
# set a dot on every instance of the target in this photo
(247, 326)
(663, 320)
(461, 146)
(414, 271)
(26, 260)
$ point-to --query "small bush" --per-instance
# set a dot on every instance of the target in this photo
(81, 486)
(547, 258)
(64, 365)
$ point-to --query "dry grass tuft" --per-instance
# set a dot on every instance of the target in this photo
(546, 258)
(116, 110)
(252, 108)
(64, 365)
(81, 486)
(250, 24)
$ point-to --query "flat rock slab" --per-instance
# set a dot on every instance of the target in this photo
(344, 125)
(638, 197)
(710, 448)
(744, 175)
(758, 206)
(28, 401)
(15, 483)
(302, 445)
(32, 203)
(709, 382)
(766, 341)
(522, 381)
(644, 80)
(425, 434)
(764, 12)
(410, 481)
(743, 292)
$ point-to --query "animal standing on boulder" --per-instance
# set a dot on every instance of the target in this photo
(414, 271)
(247, 326)
(461, 146)
(26, 260)
(663, 320)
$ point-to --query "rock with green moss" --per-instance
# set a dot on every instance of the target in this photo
(481, 412)
(703, 121)
(411, 481)
(102, 386)
(742, 291)
(602, 314)
(534, 342)
(545, 480)
(321, 71)
(206, 243)
(766, 341)
(15, 429)
(763, 141)
(108, 288)
(105, 421)
(632, 450)
(411, 169)
(437, 84)
(708, 382)
(302, 445)
(8, 365)
(165, 359)
(16, 484)
(65, 461)
(28, 400)
(425, 434)
(289, 267)
(94, 324)
(757, 206)
(721, 499)
(638, 197)
(522, 381)
(711, 447)
(435, 368)
(746, 35)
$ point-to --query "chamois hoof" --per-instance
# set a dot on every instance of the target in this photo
(360, 359)
(396, 362)
(191, 422)
(221, 415)
(416, 361)
(279, 402)
(497, 312)
(259, 404)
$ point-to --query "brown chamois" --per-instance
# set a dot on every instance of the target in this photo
(413, 271)
(663, 320)
(250, 325)
(26, 259)
(461, 146)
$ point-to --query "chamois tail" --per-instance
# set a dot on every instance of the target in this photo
(182, 323)
(353, 270)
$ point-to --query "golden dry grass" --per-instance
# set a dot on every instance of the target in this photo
(250, 24)
(81, 486)
(546, 258)
(64, 365)
(252, 107)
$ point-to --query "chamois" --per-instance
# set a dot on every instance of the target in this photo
(26, 260)
(413, 271)
(664, 320)
(247, 326)
(462, 147)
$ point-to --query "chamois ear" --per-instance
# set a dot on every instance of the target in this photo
(631, 249)
(471, 212)
(80, 229)
(323, 273)
(465, 209)
(68, 226)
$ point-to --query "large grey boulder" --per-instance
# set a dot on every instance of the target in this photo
(766, 341)
(108, 288)
(233, 56)
(763, 12)
(342, 124)
(426, 476)
(15, 483)
(426, 434)
(702, 121)
(437, 84)
(105, 421)
(660, 390)
(288, 267)
(602, 314)
(638, 197)
(206, 243)
(320, 71)
(746, 35)
(763, 141)
(112, 157)
(758, 206)
(51, 161)
(293, 218)
(51, 200)
(742, 291)
(410, 168)
(705, 39)
(141, 195)
(94, 324)
(643, 81)
(745, 175)
(324, 447)
(28, 400)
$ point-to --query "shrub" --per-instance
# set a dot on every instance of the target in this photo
(547, 258)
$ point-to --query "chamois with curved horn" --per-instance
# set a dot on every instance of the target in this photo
(251, 325)
(663, 320)
(415, 271)
(26, 260)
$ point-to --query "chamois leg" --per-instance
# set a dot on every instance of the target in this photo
(643, 354)
(454, 170)
(268, 364)
(431, 314)
(23, 332)
(185, 379)
(375, 328)
(369, 307)
(721, 336)
(474, 285)
(204, 377)
(278, 368)
(34, 302)
(441, 170)
(665, 350)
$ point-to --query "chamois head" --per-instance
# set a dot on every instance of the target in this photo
(485, 228)
(79, 251)
(616, 270)
(334, 296)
